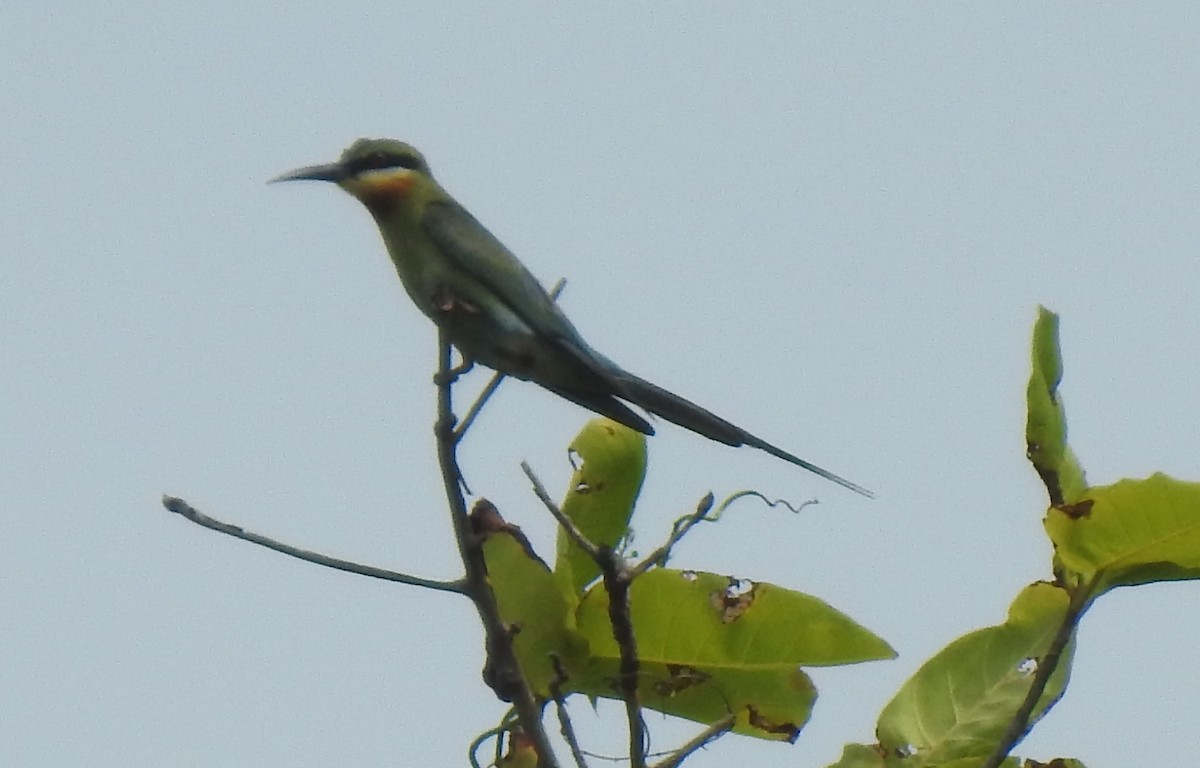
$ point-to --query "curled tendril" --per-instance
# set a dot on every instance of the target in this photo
(728, 502)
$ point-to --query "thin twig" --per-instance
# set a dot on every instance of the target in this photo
(564, 717)
(617, 579)
(502, 661)
(705, 514)
(703, 739)
(593, 551)
(678, 531)
(557, 289)
(1047, 664)
(185, 510)
(461, 430)
(494, 383)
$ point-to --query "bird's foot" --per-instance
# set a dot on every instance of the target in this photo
(451, 375)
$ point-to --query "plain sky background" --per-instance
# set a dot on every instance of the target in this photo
(831, 224)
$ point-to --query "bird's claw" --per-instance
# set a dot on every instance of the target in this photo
(450, 375)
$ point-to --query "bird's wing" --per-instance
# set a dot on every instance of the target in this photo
(472, 248)
(595, 382)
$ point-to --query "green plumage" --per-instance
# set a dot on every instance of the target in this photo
(492, 308)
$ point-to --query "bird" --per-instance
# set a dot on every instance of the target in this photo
(492, 308)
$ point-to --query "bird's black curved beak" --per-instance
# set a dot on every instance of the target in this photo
(332, 172)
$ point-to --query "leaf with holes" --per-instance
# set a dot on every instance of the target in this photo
(710, 646)
(1131, 532)
(601, 497)
(959, 703)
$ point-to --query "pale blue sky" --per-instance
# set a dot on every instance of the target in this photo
(831, 224)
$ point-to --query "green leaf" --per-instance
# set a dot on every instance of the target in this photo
(859, 756)
(710, 646)
(602, 494)
(966, 762)
(1131, 532)
(960, 702)
(1046, 422)
(532, 606)
(864, 756)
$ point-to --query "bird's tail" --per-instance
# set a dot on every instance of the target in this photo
(702, 421)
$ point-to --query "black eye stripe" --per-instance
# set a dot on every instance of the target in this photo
(381, 159)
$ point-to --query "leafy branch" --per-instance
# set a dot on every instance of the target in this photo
(729, 653)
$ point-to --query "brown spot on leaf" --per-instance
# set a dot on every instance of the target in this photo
(1078, 509)
(734, 600)
(787, 730)
(680, 677)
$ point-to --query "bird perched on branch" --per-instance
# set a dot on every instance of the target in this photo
(492, 308)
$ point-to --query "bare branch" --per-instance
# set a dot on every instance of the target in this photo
(185, 510)
(503, 670)
(617, 579)
(564, 717)
(576, 535)
(704, 514)
(678, 531)
(477, 406)
(703, 739)
(1019, 727)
